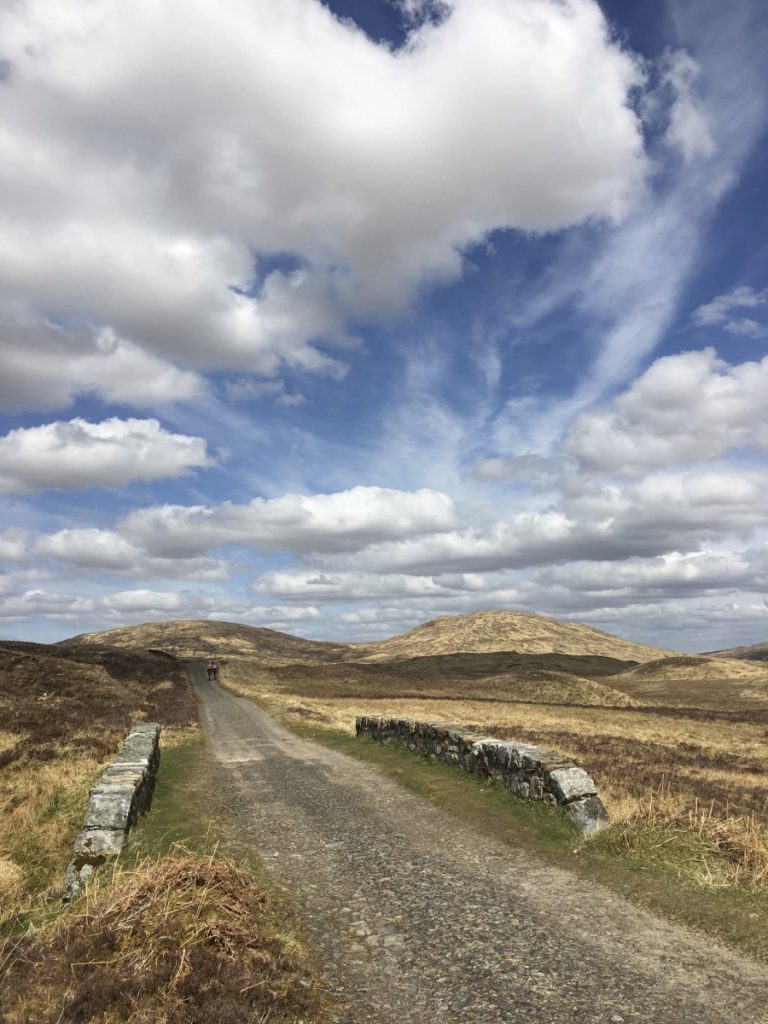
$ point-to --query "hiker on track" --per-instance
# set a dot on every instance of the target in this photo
(215, 670)
(212, 670)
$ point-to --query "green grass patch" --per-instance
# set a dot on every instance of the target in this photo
(184, 820)
(180, 815)
(677, 877)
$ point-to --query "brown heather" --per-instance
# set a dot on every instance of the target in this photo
(185, 939)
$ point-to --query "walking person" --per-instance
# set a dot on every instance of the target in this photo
(215, 670)
(211, 670)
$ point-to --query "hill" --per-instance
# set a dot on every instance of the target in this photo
(523, 632)
(204, 638)
(752, 652)
(696, 681)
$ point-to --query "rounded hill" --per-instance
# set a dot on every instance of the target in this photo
(484, 632)
(207, 638)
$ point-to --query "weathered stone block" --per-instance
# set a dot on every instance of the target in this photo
(571, 784)
(123, 792)
(111, 807)
(98, 844)
(588, 814)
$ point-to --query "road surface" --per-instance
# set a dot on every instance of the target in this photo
(420, 920)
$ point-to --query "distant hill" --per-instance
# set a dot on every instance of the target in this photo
(752, 652)
(694, 680)
(523, 632)
(204, 638)
(478, 633)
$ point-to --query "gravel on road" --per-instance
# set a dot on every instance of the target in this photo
(417, 918)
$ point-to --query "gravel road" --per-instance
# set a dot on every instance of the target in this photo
(419, 919)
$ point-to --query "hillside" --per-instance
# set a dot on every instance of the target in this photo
(751, 652)
(204, 638)
(696, 681)
(484, 632)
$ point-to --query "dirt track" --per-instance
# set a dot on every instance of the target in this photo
(420, 920)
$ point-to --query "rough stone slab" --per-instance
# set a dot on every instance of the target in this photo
(110, 807)
(572, 784)
(98, 844)
(588, 815)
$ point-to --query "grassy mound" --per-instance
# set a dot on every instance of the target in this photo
(185, 940)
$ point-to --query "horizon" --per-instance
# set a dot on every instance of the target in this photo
(335, 318)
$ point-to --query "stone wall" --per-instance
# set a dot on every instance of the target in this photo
(530, 772)
(122, 793)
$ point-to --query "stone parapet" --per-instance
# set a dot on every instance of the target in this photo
(530, 772)
(122, 793)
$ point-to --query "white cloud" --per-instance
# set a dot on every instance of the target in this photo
(90, 550)
(720, 309)
(246, 389)
(73, 454)
(529, 468)
(143, 600)
(13, 544)
(660, 513)
(40, 602)
(345, 521)
(304, 584)
(148, 151)
(686, 408)
(689, 128)
(47, 367)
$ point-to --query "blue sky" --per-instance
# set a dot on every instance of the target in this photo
(337, 317)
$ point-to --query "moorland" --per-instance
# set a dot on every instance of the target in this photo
(677, 743)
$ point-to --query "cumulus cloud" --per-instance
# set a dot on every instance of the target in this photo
(44, 366)
(344, 521)
(73, 454)
(720, 311)
(659, 513)
(303, 584)
(51, 605)
(91, 549)
(13, 545)
(686, 408)
(149, 151)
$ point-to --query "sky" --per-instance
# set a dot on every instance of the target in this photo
(337, 317)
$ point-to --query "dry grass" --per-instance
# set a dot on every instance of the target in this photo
(725, 849)
(66, 717)
(41, 807)
(184, 939)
